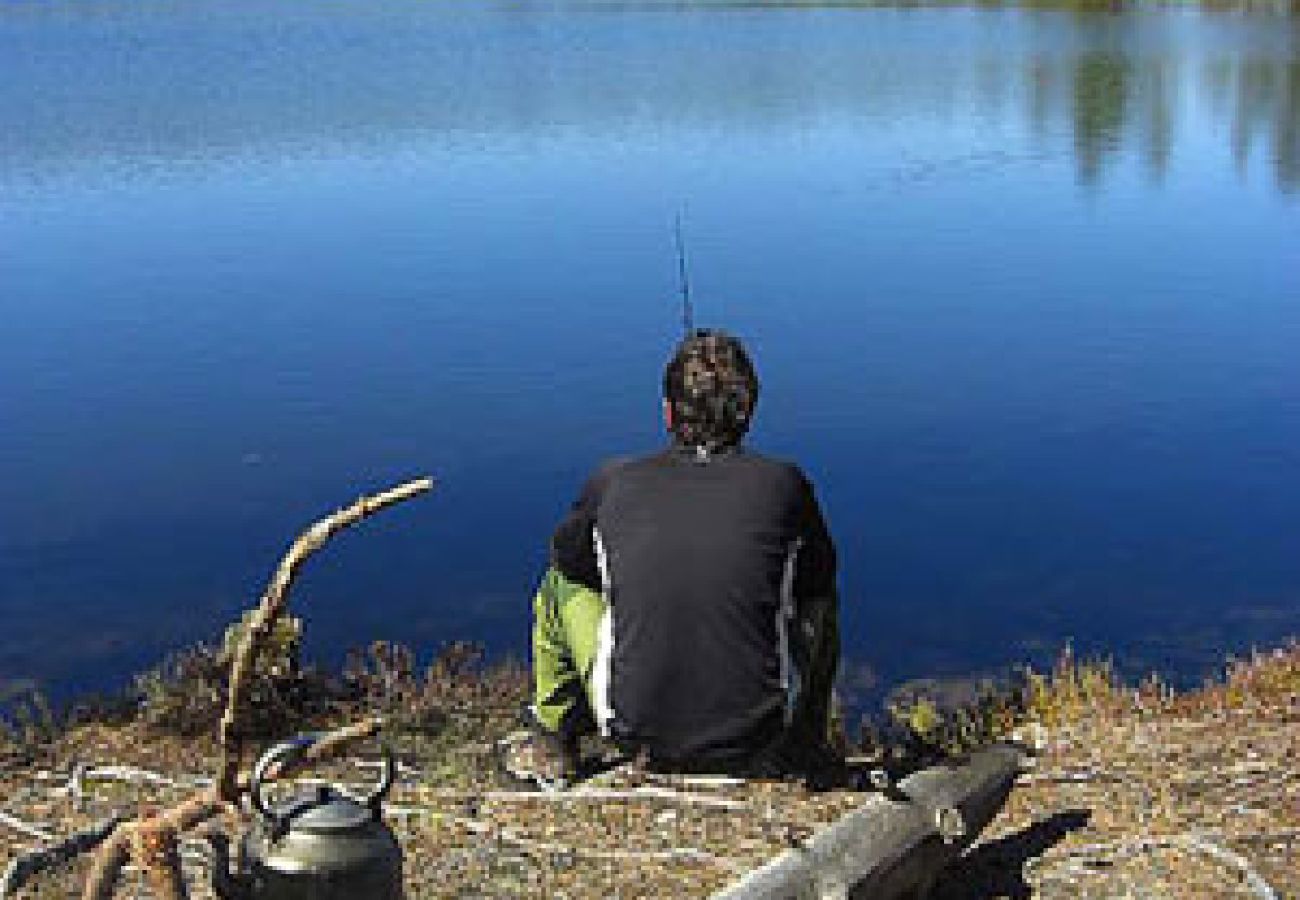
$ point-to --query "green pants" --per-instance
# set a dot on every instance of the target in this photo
(566, 620)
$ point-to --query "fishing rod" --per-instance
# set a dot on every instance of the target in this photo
(688, 311)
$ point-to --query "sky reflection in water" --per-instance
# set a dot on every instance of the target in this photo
(1021, 287)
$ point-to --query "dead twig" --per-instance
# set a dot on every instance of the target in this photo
(153, 840)
(591, 794)
(156, 836)
(1081, 776)
(82, 774)
(26, 866)
(1198, 842)
(153, 844)
(26, 828)
(1253, 880)
(328, 747)
(511, 836)
(130, 774)
(272, 605)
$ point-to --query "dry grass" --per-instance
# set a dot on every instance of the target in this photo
(465, 830)
(1129, 780)
(1145, 792)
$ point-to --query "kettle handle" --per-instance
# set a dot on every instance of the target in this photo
(293, 748)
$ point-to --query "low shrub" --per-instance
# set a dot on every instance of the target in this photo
(186, 692)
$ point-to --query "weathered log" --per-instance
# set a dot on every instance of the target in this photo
(895, 844)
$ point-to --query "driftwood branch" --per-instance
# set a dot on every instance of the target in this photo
(155, 850)
(597, 795)
(1078, 776)
(153, 840)
(1197, 842)
(327, 747)
(26, 866)
(272, 605)
(130, 774)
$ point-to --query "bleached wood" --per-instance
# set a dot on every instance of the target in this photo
(26, 865)
(155, 837)
(272, 605)
(24, 827)
(895, 843)
(588, 795)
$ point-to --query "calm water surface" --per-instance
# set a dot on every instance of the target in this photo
(1022, 288)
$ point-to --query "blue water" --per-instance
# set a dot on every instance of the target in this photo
(1021, 287)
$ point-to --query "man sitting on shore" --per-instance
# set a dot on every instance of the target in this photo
(689, 612)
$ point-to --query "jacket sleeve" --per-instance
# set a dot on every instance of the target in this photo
(815, 643)
(573, 551)
(816, 562)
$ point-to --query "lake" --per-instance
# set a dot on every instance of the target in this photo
(1022, 289)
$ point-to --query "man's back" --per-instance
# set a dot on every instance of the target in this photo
(703, 559)
(689, 608)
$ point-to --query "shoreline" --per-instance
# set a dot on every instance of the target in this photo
(1126, 775)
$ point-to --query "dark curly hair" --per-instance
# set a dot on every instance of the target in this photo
(712, 388)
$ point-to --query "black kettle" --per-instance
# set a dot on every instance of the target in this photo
(324, 845)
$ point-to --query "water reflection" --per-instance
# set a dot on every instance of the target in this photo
(1118, 93)
(163, 87)
(1264, 98)
(1102, 85)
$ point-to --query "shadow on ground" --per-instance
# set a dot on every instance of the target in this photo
(997, 868)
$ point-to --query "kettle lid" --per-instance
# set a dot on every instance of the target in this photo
(325, 811)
